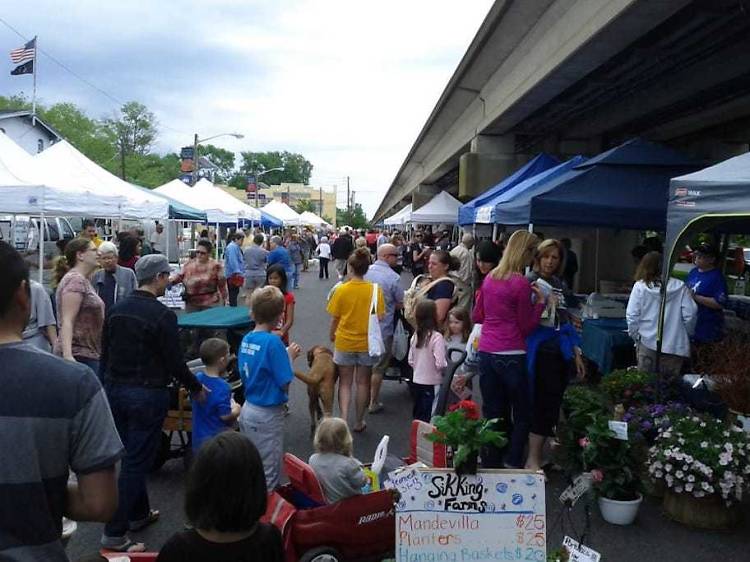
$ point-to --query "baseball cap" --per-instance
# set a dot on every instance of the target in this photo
(148, 267)
(707, 250)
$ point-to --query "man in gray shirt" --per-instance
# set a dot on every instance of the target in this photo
(382, 273)
(54, 418)
(256, 260)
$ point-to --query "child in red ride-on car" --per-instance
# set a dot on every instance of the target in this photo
(340, 475)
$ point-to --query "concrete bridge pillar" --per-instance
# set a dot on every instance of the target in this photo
(491, 159)
(423, 194)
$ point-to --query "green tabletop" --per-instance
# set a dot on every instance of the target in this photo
(220, 317)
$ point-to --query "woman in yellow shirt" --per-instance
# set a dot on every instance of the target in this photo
(349, 308)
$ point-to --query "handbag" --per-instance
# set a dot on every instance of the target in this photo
(375, 345)
(400, 340)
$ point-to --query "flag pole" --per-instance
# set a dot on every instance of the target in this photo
(33, 95)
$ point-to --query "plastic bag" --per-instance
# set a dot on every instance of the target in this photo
(472, 344)
(375, 345)
(400, 340)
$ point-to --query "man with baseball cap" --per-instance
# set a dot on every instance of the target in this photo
(141, 355)
(710, 293)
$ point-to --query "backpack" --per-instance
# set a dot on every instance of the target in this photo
(421, 285)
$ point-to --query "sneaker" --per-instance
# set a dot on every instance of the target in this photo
(68, 528)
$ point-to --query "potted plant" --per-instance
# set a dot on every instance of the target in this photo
(614, 472)
(705, 466)
(727, 364)
(629, 387)
(465, 431)
(581, 405)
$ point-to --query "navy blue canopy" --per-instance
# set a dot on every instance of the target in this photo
(513, 206)
(265, 220)
(541, 162)
(625, 187)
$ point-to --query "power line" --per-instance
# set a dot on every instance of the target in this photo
(66, 68)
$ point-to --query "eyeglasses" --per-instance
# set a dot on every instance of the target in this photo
(199, 252)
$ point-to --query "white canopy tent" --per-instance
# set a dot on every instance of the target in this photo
(283, 212)
(400, 218)
(441, 209)
(62, 157)
(225, 201)
(30, 187)
(219, 208)
(311, 219)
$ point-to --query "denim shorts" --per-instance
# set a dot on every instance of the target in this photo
(354, 358)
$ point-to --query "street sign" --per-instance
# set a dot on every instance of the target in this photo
(186, 178)
(186, 153)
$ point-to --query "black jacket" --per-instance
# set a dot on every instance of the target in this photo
(342, 247)
(140, 345)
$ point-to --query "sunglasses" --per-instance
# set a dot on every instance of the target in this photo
(199, 252)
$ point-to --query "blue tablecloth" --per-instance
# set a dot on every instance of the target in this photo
(600, 339)
(220, 317)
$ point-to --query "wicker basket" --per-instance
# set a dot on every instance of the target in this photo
(709, 512)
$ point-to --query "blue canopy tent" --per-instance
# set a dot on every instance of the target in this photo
(512, 207)
(467, 212)
(625, 187)
(265, 220)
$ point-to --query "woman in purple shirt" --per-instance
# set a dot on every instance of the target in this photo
(509, 309)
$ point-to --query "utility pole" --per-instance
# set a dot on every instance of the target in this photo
(320, 197)
(194, 176)
(348, 197)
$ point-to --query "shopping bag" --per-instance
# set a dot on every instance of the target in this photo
(375, 345)
(472, 344)
(400, 340)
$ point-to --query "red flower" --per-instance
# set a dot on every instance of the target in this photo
(584, 442)
(597, 475)
(469, 407)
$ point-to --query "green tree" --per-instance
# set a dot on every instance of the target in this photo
(133, 131)
(297, 169)
(86, 134)
(355, 218)
(14, 102)
(304, 205)
(222, 159)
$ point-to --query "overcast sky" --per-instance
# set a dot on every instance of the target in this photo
(347, 83)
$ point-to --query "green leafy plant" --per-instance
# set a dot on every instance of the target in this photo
(465, 431)
(559, 554)
(700, 455)
(581, 406)
(629, 387)
(612, 462)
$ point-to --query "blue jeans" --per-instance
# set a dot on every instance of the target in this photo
(292, 278)
(505, 395)
(92, 364)
(295, 275)
(423, 396)
(139, 413)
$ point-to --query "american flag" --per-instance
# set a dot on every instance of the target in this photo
(25, 53)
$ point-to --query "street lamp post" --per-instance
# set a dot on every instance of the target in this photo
(197, 141)
(257, 180)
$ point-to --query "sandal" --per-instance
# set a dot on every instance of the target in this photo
(360, 428)
(128, 547)
(376, 408)
(152, 517)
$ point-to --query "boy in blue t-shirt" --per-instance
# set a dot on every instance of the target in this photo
(265, 366)
(710, 293)
(219, 411)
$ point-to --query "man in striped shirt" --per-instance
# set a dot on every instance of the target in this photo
(55, 418)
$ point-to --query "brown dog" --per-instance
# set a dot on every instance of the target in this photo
(321, 383)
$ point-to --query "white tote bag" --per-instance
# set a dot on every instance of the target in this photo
(375, 345)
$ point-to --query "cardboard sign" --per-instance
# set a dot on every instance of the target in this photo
(580, 552)
(492, 515)
(620, 429)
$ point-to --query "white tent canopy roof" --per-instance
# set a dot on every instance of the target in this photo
(443, 208)
(31, 186)
(137, 204)
(312, 219)
(399, 218)
(225, 202)
(283, 212)
(204, 196)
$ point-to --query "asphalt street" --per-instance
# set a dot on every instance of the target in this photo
(653, 537)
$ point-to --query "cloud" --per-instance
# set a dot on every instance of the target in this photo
(349, 84)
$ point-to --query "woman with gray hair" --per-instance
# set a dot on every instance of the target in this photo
(112, 282)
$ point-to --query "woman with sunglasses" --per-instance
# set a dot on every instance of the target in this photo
(204, 280)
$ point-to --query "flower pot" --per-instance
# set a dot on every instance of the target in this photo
(709, 512)
(469, 466)
(619, 512)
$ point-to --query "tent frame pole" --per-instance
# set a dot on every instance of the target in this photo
(596, 263)
(41, 246)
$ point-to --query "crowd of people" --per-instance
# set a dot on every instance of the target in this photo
(108, 349)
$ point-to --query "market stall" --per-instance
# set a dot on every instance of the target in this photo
(467, 213)
(400, 218)
(441, 209)
(283, 212)
(311, 219)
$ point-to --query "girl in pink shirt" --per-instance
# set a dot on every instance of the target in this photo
(427, 358)
(509, 309)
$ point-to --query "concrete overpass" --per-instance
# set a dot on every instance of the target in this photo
(580, 76)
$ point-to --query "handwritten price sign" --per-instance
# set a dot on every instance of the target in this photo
(493, 515)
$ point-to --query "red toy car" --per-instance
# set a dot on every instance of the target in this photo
(357, 528)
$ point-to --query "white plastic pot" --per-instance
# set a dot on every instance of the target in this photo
(619, 512)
